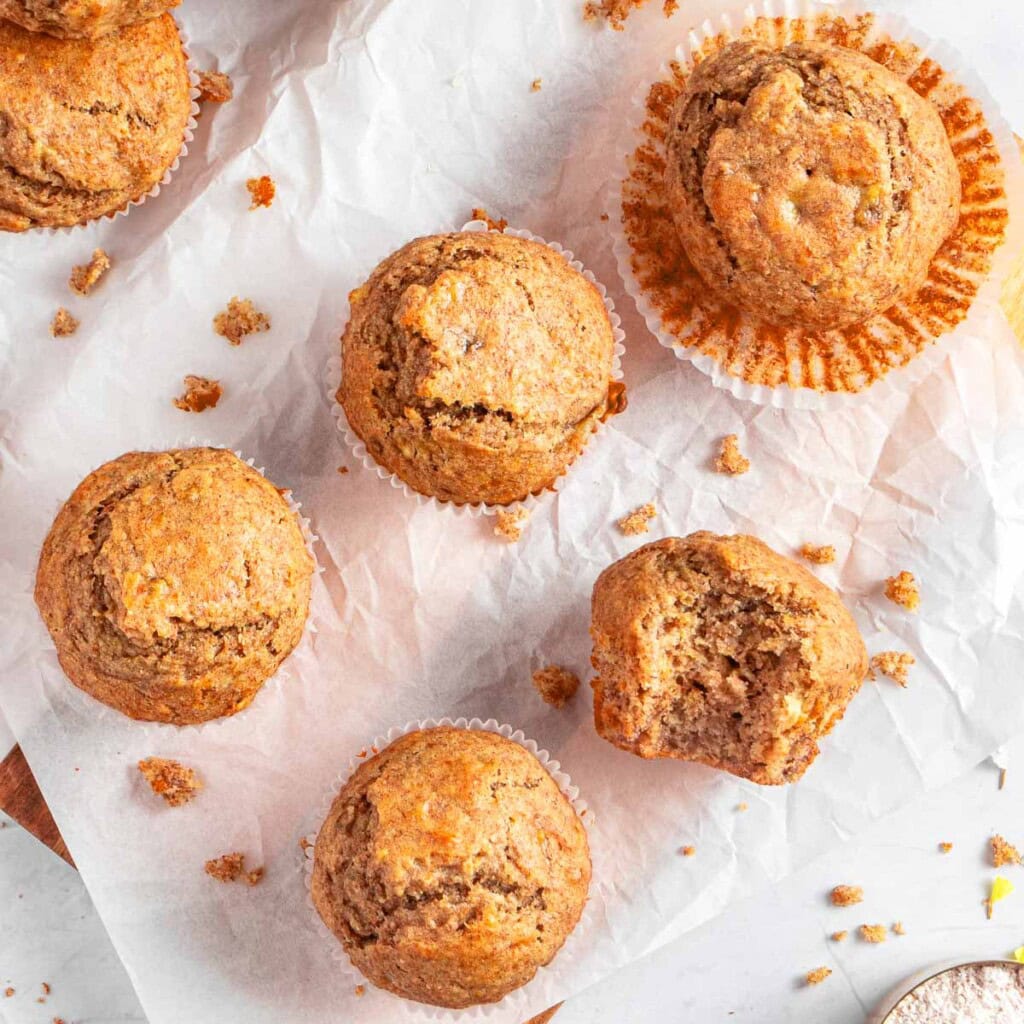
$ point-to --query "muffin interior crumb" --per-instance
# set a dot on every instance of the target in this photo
(201, 393)
(63, 324)
(226, 868)
(894, 664)
(509, 523)
(261, 191)
(874, 933)
(730, 460)
(818, 975)
(902, 590)
(635, 523)
(239, 320)
(819, 555)
(86, 276)
(556, 685)
(479, 213)
(215, 87)
(846, 895)
(172, 780)
(1003, 852)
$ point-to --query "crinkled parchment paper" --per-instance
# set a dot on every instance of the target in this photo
(380, 120)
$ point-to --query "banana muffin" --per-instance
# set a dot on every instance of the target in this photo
(88, 125)
(719, 650)
(476, 366)
(81, 19)
(174, 584)
(451, 867)
(809, 185)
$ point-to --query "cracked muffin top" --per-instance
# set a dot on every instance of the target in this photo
(87, 126)
(809, 185)
(451, 867)
(81, 19)
(174, 584)
(476, 366)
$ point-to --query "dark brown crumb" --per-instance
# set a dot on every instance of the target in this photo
(839, 936)
(898, 929)
(902, 590)
(730, 459)
(945, 847)
(535, 85)
(215, 87)
(343, 470)
(228, 868)
(1003, 852)
(874, 933)
(688, 851)
(261, 191)
(63, 324)
(46, 989)
(846, 895)
(894, 664)
(817, 976)
(85, 277)
(509, 523)
(170, 779)
(479, 213)
(824, 555)
(635, 522)
(614, 12)
(239, 320)
(201, 393)
(556, 685)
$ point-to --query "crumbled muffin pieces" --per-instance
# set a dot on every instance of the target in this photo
(894, 664)
(535, 85)
(846, 895)
(261, 191)
(63, 324)
(556, 685)
(839, 936)
(86, 276)
(239, 320)
(231, 868)
(898, 929)
(1003, 852)
(255, 876)
(730, 460)
(170, 779)
(688, 851)
(614, 12)
(824, 555)
(479, 213)
(669, 7)
(635, 523)
(8, 992)
(817, 976)
(360, 990)
(945, 847)
(201, 393)
(874, 933)
(215, 87)
(509, 523)
(902, 590)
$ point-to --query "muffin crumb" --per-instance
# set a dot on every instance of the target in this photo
(743, 806)
(228, 868)
(902, 590)
(201, 393)
(46, 988)
(894, 664)
(170, 779)
(688, 851)
(535, 85)
(239, 320)
(873, 933)
(604, 217)
(839, 936)
(63, 324)
(817, 976)
(479, 213)
(556, 685)
(86, 276)
(509, 523)
(846, 895)
(8, 992)
(945, 847)
(670, 7)
(1003, 852)
(635, 523)
(898, 929)
(261, 191)
(304, 844)
(360, 990)
(255, 876)
(730, 459)
(1002, 778)
(823, 555)
(215, 87)
(343, 470)
(614, 12)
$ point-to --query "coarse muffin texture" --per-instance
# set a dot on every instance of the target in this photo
(451, 867)
(476, 365)
(174, 584)
(87, 125)
(809, 185)
(81, 19)
(719, 650)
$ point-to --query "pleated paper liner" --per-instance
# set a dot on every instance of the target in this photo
(512, 1004)
(792, 367)
(355, 444)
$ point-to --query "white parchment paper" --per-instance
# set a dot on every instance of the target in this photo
(379, 120)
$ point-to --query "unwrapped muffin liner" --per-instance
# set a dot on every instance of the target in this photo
(530, 503)
(569, 791)
(895, 349)
(89, 706)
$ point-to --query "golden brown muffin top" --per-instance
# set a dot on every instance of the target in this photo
(88, 125)
(810, 184)
(81, 19)
(451, 867)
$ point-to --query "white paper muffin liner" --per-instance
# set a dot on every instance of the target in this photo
(352, 441)
(898, 381)
(90, 707)
(583, 927)
(187, 137)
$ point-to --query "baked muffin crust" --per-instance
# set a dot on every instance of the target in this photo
(451, 867)
(476, 366)
(809, 185)
(88, 125)
(81, 19)
(719, 650)
(174, 584)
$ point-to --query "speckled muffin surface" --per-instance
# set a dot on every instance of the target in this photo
(809, 184)
(89, 125)
(719, 650)
(174, 584)
(81, 19)
(476, 366)
(451, 867)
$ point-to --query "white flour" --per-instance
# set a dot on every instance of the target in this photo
(991, 994)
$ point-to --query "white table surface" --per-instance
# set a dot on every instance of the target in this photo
(745, 966)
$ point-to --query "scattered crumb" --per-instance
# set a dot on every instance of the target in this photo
(873, 932)
(360, 990)
(509, 523)
(261, 191)
(46, 989)
(201, 393)
(902, 590)
(635, 523)
(945, 847)
(215, 87)
(84, 278)
(256, 876)
(614, 12)
(228, 868)
(817, 976)
(170, 779)
(730, 459)
(535, 85)
(479, 213)
(556, 685)
(304, 844)
(8, 992)
(63, 324)
(1003, 852)
(839, 936)
(743, 806)
(898, 929)
(58, 1020)
(1001, 888)
(1002, 778)
(688, 851)
(670, 7)
(604, 216)
(343, 470)
(846, 895)
(240, 320)
(894, 664)
(40, 999)
(824, 555)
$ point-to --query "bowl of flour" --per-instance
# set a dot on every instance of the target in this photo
(980, 992)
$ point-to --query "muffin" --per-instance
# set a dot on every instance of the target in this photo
(476, 366)
(174, 584)
(809, 184)
(81, 19)
(88, 125)
(719, 650)
(451, 867)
